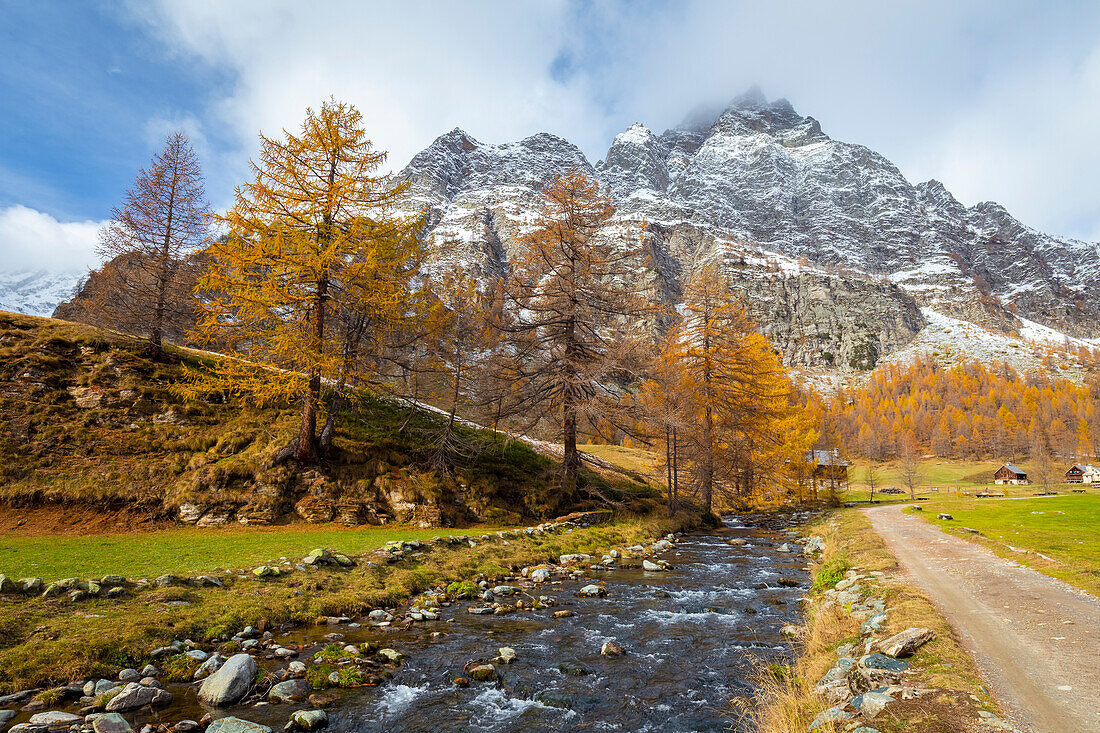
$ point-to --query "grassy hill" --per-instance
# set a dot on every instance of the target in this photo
(88, 419)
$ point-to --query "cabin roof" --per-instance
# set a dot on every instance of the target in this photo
(1012, 468)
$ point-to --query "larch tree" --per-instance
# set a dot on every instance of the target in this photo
(574, 305)
(460, 345)
(734, 385)
(162, 219)
(316, 254)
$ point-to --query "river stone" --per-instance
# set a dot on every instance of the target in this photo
(135, 695)
(230, 683)
(873, 624)
(870, 704)
(906, 642)
(6, 717)
(296, 669)
(507, 655)
(56, 720)
(784, 548)
(579, 558)
(236, 725)
(592, 591)
(110, 723)
(289, 691)
(651, 566)
(308, 720)
(483, 673)
(881, 661)
(209, 667)
(378, 616)
(813, 546)
(540, 575)
(829, 716)
(612, 649)
(129, 675)
(505, 590)
(392, 655)
(564, 613)
(30, 585)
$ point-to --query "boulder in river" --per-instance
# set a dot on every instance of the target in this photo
(651, 566)
(230, 683)
(308, 720)
(612, 649)
(592, 591)
(505, 655)
(784, 548)
(483, 672)
(293, 690)
(906, 642)
(135, 695)
(56, 720)
(236, 725)
(110, 723)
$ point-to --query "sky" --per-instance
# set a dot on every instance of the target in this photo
(998, 99)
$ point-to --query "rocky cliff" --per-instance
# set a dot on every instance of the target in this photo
(835, 250)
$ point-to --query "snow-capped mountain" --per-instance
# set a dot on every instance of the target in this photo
(37, 292)
(836, 251)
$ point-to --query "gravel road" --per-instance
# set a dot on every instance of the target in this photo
(1035, 638)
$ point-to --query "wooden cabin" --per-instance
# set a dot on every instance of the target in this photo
(1078, 474)
(1009, 474)
(829, 467)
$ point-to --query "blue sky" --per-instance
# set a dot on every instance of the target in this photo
(998, 99)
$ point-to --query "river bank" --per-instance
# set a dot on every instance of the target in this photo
(874, 653)
(692, 616)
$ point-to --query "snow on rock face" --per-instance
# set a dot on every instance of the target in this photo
(37, 292)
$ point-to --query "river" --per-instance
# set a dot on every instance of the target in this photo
(692, 637)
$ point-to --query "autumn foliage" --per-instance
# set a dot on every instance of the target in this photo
(315, 261)
(965, 411)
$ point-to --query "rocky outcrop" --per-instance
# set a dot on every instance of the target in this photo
(761, 185)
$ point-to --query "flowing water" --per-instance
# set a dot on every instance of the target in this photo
(692, 638)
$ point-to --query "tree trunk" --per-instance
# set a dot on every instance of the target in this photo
(163, 272)
(668, 467)
(307, 433)
(570, 461)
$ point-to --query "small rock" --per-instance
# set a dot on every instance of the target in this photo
(612, 649)
(483, 673)
(236, 725)
(944, 516)
(829, 716)
(651, 566)
(110, 723)
(507, 655)
(906, 642)
(564, 613)
(289, 691)
(308, 720)
(592, 591)
(134, 696)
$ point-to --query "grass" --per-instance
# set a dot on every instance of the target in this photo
(1065, 529)
(45, 642)
(190, 550)
(787, 701)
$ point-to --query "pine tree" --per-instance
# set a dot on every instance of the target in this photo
(316, 250)
(162, 219)
(572, 308)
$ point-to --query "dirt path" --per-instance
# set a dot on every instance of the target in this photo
(1035, 638)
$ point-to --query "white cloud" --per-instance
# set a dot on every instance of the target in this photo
(998, 100)
(32, 240)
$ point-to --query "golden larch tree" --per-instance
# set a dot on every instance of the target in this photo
(314, 239)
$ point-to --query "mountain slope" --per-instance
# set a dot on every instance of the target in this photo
(835, 250)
